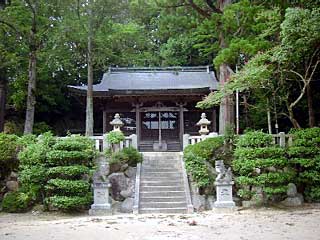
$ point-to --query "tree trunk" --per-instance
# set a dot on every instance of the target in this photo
(31, 98)
(33, 47)
(226, 116)
(292, 119)
(89, 109)
(310, 107)
(269, 117)
(3, 91)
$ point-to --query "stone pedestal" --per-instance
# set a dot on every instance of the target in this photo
(224, 195)
(101, 205)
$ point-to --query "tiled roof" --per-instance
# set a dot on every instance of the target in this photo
(155, 79)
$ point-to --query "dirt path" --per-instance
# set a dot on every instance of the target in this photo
(258, 224)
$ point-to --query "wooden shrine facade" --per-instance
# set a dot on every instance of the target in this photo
(158, 105)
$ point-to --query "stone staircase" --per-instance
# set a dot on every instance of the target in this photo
(163, 186)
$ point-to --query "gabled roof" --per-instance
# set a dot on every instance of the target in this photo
(131, 80)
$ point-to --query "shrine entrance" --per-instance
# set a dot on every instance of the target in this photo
(160, 128)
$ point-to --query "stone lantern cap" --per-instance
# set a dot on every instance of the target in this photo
(203, 121)
(117, 121)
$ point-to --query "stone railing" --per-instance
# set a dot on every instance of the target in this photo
(281, 139)
(191, 140)
(284, 140)
(102, 144)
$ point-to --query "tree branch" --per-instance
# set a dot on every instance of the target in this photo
(181, 4)
(201, 11)
(213, 7)
(31, 7)
(12, 27)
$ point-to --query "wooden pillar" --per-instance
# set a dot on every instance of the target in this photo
(138, 123)
(104, 121)
(181, 125)
(214, 120)
(160, 136)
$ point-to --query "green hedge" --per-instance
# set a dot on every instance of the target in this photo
(73, 203)
(64, 187)
(130, 156)
(197, 157)
(64, 158)
(305, 157)
(8, 154)
(15, 202)
(258, 163)
(68, 172)
(69, 163)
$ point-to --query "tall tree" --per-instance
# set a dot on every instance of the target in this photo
(30, 20)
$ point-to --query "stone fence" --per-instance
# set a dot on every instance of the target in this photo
(281, 139)
(102, 144)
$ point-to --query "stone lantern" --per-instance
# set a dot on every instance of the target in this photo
(203, 123)
(116, 122)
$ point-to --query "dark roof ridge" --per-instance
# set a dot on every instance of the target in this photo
(160, 69)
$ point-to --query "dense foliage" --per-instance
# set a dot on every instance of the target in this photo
(69, 162)
(305, 157)
(272, 43)
(8, 154)
(199, 159)
(115, 137)
(53, 171)
(261, 167)
(130, 156)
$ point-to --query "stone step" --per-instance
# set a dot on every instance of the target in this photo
(160, 194)
(161, 174)
(161, 183)
(163, 204)
(161, 179)
(170, 170)
(161, 166)
(161, 188)
(156, 171)
(163, 199)
(163, 210)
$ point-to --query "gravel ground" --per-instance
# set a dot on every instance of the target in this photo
(264, 223)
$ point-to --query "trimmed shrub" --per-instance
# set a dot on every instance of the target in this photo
(129, 156)
(115, 137)
(68, 187)
(197, 160)
(64, 157)
(258, 164)
(68, 172)
(8, 154)
(305, 157)
(41, 127)
(64, 187)
(15, 202)
(68, 204)
(255, 139)
(33, 164)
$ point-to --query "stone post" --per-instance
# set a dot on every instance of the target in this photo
(134, 139)
(223, 185)
(282, 139)
(185, 141)
(101, 205)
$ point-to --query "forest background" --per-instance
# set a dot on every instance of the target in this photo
(272, 47)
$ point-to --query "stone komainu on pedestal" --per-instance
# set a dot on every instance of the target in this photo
(223, 185)
(101, 205)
